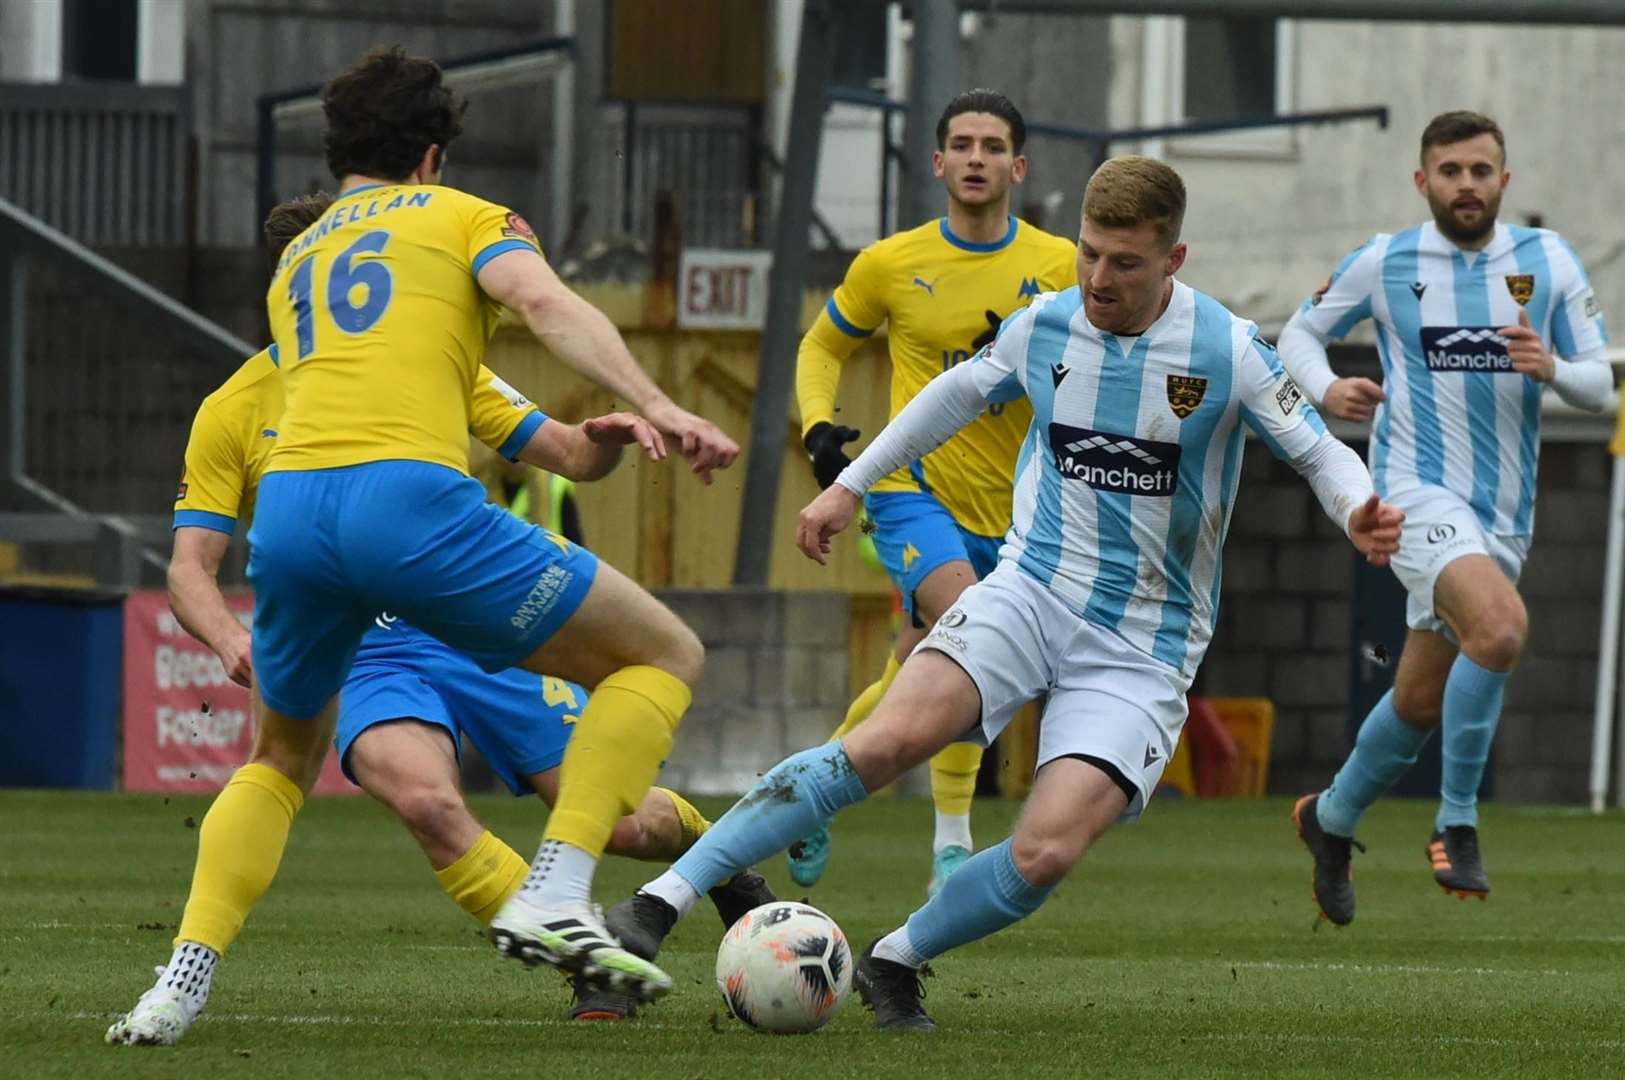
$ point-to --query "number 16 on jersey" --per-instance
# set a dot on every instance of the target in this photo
(358, 292)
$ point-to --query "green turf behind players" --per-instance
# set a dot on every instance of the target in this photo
(1181, 948)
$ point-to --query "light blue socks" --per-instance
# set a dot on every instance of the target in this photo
(1385, 747)
(985, 895)
(1472, 709)
(796, 796)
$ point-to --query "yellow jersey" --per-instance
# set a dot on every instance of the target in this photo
(943, 298)
(381, 325)
(238, 426)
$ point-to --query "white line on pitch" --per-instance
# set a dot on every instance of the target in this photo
(1394, 969)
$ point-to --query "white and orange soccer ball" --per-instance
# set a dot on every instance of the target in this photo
(784, 968)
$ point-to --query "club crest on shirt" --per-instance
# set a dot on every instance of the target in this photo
(517, 228)
(1521, 286)
(1185, 393)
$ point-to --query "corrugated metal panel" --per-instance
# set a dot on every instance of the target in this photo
(106, 164)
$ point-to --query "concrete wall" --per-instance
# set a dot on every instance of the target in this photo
(1264, 231)
(776, 681)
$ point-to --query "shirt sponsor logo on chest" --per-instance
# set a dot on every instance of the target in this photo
(1115, 463)
(1471, 349)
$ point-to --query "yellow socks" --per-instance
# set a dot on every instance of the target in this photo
(953, 777)
(691, 821)
(239, 848)
(865, 703)
(624, 733)
(483, 878)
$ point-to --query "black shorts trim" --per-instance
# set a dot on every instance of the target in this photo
(1112, 771)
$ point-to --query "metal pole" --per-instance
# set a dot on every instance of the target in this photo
(815, 55)
(265, 165)
(933, 79)
(14, 340)
(561, 166)
(1576, 12)
(1602, 728)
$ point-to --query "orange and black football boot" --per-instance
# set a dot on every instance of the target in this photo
(1457, 867)
(1334, 879)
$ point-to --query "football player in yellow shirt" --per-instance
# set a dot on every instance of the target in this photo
(408, 699)
(943, 289)
(381, 313)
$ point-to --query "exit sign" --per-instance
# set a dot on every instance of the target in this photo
(722, 290)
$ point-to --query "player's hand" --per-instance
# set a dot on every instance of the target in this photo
(823, 442)
(1352, 399)
(986, 336)
(1528, 352)
(1374, 528)
(702, 443)
(238, 657)
(822, 518)
(623, 429)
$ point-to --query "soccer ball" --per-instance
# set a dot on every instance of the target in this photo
(784, 968)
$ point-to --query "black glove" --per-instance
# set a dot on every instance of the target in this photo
(986, 336)
(824, 442)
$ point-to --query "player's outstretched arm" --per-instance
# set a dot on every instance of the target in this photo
(581, 336)
(1334, 309)
(948, 402)
(196, 600)
(591, 449)
(1374, 527)
(823, 352)
(1274, 407)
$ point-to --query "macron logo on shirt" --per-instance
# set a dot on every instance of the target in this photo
(1115, 463)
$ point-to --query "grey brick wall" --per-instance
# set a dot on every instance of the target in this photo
(1285, 626)
(775, 682)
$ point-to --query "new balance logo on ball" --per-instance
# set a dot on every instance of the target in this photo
(1117, 463)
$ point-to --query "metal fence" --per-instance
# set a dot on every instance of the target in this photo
(102, 376)
(105, 164)
(514, 149)
(708, 158)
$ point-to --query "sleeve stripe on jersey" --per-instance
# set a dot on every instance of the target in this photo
(202, 519)
(276, 356)
(521, 435)
(501, 247)
(841, 322)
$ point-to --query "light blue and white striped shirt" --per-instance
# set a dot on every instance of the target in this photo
(1127, 476)
(1456, 415)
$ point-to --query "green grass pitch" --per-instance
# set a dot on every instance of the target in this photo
(1184, 946)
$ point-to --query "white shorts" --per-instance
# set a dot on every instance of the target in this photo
(1439, 529)
(1106, 699)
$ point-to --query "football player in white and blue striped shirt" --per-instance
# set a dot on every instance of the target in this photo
(1473, 321)
(1104, 596)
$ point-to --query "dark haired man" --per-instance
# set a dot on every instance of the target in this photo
(381, 312)
(944, 288)
(1474, 320)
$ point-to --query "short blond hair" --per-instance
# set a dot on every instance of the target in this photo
(1130, 191)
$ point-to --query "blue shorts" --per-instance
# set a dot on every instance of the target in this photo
(331, 548)
(914, 534)
(519, 722)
